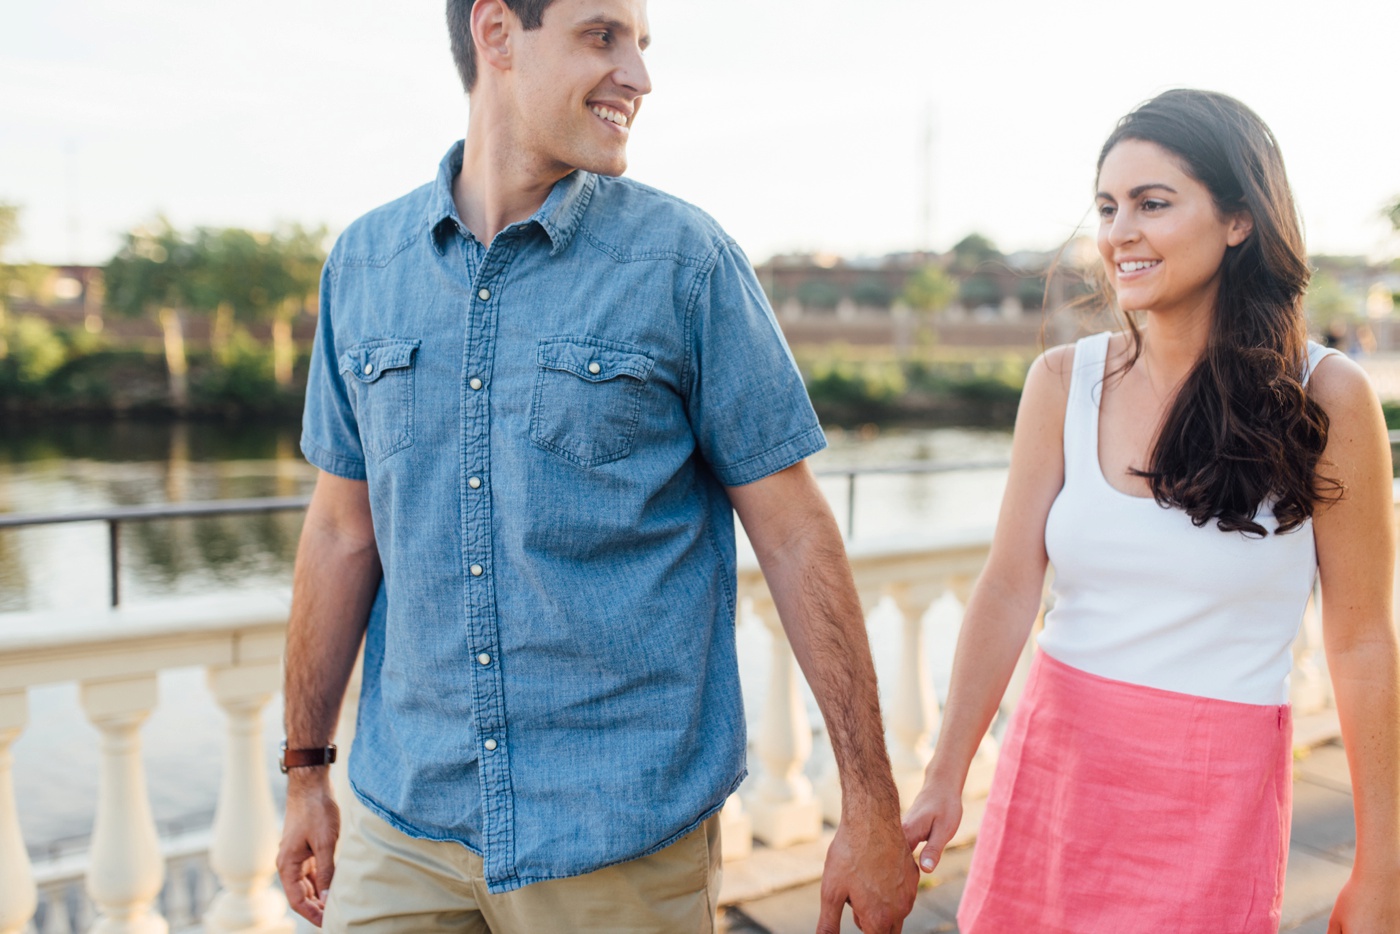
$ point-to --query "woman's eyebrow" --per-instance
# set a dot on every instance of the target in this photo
(1137, 192)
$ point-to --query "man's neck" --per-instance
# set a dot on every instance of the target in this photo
(500, 183)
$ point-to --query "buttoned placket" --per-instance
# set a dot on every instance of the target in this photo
(485, 273)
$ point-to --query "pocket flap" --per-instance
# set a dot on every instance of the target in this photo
(367, 361)
(594, 360)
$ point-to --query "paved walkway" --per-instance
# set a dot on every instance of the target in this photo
(1319, 860)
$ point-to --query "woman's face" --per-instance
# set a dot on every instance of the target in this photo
(1161, 237)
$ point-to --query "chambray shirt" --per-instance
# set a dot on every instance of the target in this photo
(547, 426)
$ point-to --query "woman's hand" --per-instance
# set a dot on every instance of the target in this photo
(1368, 904)
(932, 820)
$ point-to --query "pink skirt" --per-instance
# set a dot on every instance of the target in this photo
(1118, 808)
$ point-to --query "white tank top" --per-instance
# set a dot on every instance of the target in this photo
(1142, 595)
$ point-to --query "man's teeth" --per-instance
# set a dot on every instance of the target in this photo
(612, 115)
(1134, 267)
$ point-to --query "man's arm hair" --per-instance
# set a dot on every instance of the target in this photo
(337, 575)
(800, 550)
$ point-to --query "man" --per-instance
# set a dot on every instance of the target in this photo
(537, 396)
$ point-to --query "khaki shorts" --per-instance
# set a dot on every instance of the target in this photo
(387, 882)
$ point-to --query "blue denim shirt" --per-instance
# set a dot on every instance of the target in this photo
(547, 426)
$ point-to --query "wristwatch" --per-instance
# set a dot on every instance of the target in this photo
(300, 758)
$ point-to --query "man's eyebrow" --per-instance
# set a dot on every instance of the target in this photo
(1138, 191)
(607, 22)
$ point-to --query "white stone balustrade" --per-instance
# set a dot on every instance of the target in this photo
(116, 655)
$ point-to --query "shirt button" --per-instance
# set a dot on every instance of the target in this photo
(475, 383)
(484, 659)
(594, 368)
(369, 368)
(490, 745)
(477, 570)
(474, 483)
(484, 295)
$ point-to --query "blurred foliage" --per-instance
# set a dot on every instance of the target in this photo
(850, 387)
(972, 252)
(930, 289)
(872, 291)
(979, 290)
(1326, 300)
(814, 293)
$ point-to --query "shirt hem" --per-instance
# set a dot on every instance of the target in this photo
(319, 457)
(773, 460)
(403, 826)
(515, 881)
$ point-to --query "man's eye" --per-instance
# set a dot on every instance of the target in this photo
(603, 36)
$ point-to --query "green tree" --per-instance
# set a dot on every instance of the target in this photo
(1393, 212)
(929, 290)
(156, 274)
(816, 293)
(299, 258)
(9, 232)
(972, 252)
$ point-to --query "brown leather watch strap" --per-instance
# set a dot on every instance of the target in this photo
(301, 758)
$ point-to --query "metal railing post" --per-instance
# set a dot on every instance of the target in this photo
(114, 541)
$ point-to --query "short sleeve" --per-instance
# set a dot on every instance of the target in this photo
(330, 436)
(747, 405)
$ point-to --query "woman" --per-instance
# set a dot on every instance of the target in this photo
(1187, 478)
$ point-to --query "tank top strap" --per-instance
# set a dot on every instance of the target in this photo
(1316, 354)
(1082, 409)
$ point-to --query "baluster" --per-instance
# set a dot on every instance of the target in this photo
(18, 896)
(244, 852)
(913, 715)
(126, 868)
(56, 917)
(979, 773)
(735, 830)
(784, 809)
(179, 910)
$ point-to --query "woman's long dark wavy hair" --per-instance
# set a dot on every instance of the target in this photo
(1241, 431)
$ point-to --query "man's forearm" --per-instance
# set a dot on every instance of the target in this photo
(811, 584)
(335, 583)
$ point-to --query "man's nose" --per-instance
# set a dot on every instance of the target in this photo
(632, 73)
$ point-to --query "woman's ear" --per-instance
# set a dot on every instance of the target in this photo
(1241, 226)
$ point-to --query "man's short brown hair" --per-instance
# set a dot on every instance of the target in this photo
(459, 30)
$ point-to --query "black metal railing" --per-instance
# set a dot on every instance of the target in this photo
(116, 515)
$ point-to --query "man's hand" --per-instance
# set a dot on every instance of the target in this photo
(868, 865)
(306, 858)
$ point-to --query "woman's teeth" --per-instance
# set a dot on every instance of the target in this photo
(1135, 266)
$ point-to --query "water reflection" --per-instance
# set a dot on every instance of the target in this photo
(67, 466)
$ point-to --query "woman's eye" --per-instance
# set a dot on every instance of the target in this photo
(1153, 204)
(1105, 211)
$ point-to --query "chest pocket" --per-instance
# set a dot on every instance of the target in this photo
(588, 398)
(379, 377)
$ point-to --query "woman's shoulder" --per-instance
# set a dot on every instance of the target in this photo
(1340, 385)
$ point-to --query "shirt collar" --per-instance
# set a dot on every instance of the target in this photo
(559, 216)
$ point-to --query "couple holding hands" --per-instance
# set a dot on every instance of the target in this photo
(540, 392)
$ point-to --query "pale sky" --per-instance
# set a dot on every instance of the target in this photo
(798, 124)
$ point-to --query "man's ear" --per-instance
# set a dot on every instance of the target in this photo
(1241, 226)
(493, 24)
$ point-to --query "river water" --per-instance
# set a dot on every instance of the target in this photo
(66, 466)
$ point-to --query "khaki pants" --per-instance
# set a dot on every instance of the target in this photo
(387, 882)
